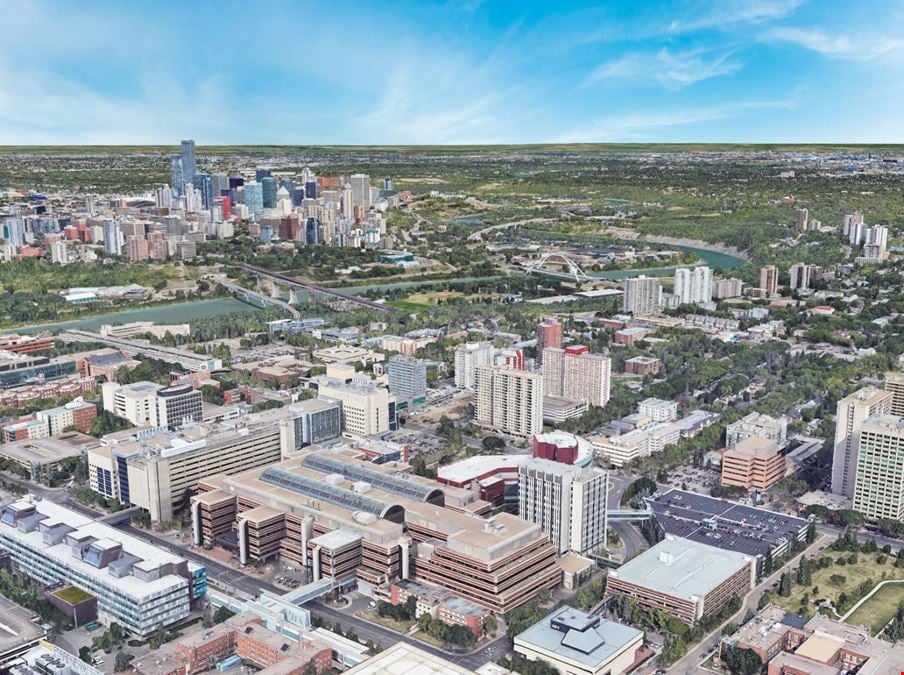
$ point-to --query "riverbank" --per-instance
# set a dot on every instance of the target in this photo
(698, 244)
(161, 313)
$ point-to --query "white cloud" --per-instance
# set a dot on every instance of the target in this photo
(640, 126)
(862, 48)
(672, 70)
(726, 13)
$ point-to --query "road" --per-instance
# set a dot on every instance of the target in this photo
(630, 536)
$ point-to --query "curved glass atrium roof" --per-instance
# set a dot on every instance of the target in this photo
(393, 484)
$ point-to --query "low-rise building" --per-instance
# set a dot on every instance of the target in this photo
(756, 463)
(684, 578)
(642, 365)
(788, 644)
(658, 410)
(137, 585)
(642, 442)
(756, 424)
(577, 643)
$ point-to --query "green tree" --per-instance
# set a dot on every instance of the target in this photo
(743, 662)
(784, 585)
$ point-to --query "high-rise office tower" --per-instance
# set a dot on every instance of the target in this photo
(219, 184)
(310, 189)
(387, 183)
(894, 383)
(348, 202)
(769, 279)
(549, 334)
(178, 405)
(14, 232)
(694, 285)
(189, 166)
(800, 276)
(407, 379)
(509, 401)
(575, 374)
(851, 220)
(113, 239)
(727, 288)
(262, 172)
(875, 242)
(360, 184)
(803, 219)
(269, 189)
(857, 233)
(643, 295)
(851, 413)
(177, 179)
(879, 487)
(468, 356)
(567, 502)
(203, 184)
(254, 198)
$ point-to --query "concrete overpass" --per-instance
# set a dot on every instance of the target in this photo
(180, 357)
(314, 289)
(247, 295)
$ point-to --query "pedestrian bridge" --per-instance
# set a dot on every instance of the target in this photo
(629, 515)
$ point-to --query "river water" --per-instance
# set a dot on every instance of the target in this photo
(179, 312)
(185, 312)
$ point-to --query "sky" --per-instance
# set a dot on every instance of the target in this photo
(451, 71)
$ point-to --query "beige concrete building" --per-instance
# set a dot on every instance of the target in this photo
(643, 295)
(566, 501)
(879, 485)
(894, 383)
(851, 413)
(684, 578)
(343, 517)
(366, 408)
(509, 401)
(620, 450)
(576, 643)
(157, 470)
(754, 464)
(575, 374)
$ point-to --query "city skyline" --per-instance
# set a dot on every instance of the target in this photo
(452, 73)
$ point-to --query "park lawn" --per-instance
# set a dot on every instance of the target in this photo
(432, 297)
(879, 609)
(407, 305)
(866, 568)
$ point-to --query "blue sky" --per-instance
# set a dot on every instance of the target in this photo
(460, 71)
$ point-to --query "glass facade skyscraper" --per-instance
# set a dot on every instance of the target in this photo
(189, 166)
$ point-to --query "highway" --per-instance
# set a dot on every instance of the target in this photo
(181, 357)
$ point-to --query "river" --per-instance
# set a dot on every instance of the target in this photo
(178, 312)
(185, 312)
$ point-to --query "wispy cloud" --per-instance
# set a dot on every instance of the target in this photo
(672, 70)
(727, 13)
(862, 48)
(639, 126)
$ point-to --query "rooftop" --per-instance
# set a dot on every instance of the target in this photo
(573, 635)
(681, 568)
(728, 525)
(755, 447)
(48, 515)
(48, 450)
(405, 659)
(18, 626)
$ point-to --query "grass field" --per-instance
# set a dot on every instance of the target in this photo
(824, 586)
(72, 595)
(879, 609)
(387, 621)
